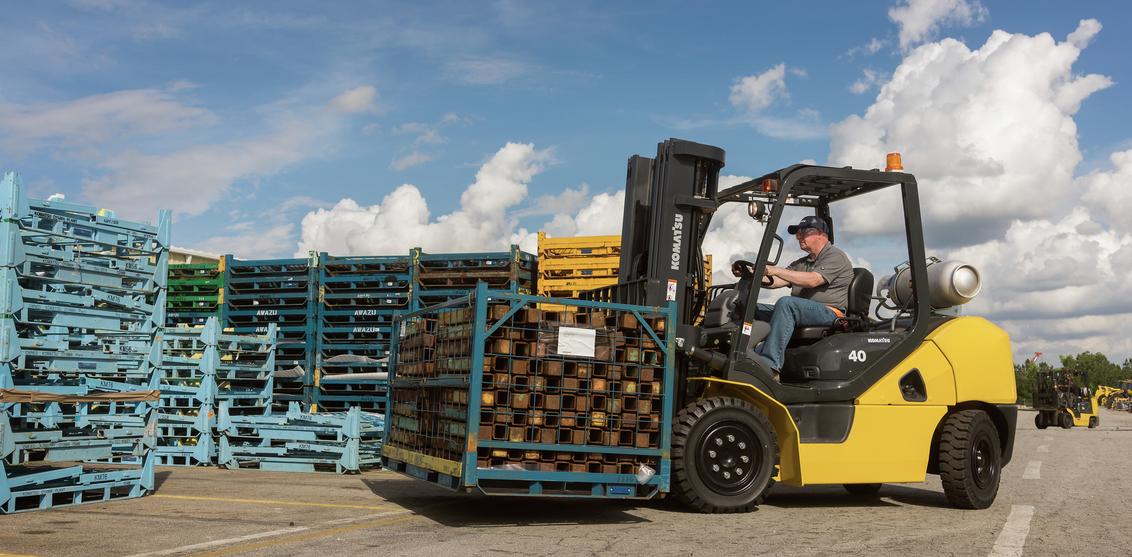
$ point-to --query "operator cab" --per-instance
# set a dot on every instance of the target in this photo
(821, 363)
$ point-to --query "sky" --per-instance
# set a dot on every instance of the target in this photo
(274, 128)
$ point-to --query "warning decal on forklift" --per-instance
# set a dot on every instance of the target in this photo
(747, 328)
(671, 295)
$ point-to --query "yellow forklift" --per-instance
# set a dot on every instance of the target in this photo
(1062, 398)
(902, 386)
(875, 398)
(1106, 394)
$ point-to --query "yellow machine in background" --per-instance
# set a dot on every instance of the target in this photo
(1062, 398)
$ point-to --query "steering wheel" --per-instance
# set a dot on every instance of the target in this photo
(746, 271)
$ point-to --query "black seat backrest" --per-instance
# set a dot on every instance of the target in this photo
(860, 292)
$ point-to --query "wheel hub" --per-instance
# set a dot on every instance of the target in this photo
(982, 457)
(728, 458)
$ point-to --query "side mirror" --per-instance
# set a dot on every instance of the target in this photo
(756, 210)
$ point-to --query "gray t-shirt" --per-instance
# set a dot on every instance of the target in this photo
(834, 265)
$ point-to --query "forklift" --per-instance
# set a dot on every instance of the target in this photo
(876, 398)
(1062, 398)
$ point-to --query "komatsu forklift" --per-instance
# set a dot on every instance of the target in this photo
(1062, 398)
(882, 396)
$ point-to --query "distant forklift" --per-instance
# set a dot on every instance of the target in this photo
(1062, 398)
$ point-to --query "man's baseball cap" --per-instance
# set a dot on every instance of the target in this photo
(809, 222)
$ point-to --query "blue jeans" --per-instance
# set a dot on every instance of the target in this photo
(786, 314)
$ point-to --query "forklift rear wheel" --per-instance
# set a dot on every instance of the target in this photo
(970, 459)
(724, 455)
(1066, 421)
(1040, 421)
(862, 490)
(1093, 422)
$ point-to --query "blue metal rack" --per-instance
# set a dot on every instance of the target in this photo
(300, 442)
(479, 398)
(280, 291)
(440, 277)
(358, 297)
(82, 309)
(202, 368)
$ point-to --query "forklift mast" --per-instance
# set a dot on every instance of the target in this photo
(669, 202)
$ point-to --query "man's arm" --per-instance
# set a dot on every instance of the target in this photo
(805, 279)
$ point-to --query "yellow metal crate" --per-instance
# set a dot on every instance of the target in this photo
(579, 267)
(578, 246)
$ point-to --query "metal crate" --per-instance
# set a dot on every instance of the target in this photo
(486, 395)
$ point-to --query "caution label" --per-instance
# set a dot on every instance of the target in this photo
(747, 328)
(671, 294)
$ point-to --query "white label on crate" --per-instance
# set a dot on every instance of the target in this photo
(671, 295)
(747, 328)
(573, 341)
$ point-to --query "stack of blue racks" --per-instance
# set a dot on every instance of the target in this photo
(283, 292)
(80, 350)
(440, 277)
(204, 367)
(357, 299)
(296, 441)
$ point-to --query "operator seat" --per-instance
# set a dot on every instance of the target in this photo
(860, 292)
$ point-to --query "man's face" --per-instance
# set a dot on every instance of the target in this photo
(809, 240)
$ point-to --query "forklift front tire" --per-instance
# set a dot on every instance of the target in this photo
(724, 455)
(1093, 422)
(1066, 420)
(1040, 421)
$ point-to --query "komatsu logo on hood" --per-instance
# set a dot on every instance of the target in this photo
(677, 240)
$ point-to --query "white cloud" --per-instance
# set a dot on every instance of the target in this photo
(356, 100)
(920, 19)
(1057, 287)
(966, 122)
(402, 220)
(756, 92)
(486, 70)
(990, 135)
(872, 47)
(869, 79)
(601, 216)
(415, 158)
(189, 180)
(96, 119)
(1110, 193)
(569, 201)
(264, 243)
(1083, 35)
(753, 94)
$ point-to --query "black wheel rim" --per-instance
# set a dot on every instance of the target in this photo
(729, 458)
(983, 462)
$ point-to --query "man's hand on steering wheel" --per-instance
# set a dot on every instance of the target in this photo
(745, 269)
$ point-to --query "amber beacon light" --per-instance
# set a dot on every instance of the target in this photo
(892, 163)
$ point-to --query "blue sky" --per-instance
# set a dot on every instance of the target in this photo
(246, 118)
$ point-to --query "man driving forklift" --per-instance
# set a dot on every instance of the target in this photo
(819, 293)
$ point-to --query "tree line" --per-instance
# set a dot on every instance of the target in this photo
(1101, 371)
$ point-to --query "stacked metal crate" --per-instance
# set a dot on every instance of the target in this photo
(572, 265)
(569, 266)
(283, 292)
(297, 441)
(80, 350)
(439, 277)
(357, 298)
(195, 293)
(491, 392)
(204, 367)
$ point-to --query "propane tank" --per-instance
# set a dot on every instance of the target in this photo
(950, 283)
